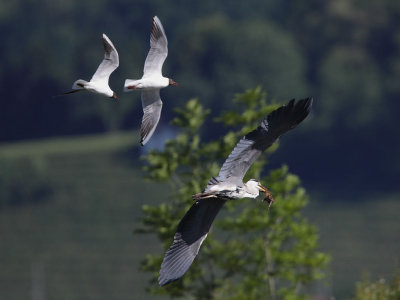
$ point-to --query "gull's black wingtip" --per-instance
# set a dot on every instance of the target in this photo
(308, 101)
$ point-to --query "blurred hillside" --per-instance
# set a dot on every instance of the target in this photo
(343, 52)
(78, 241)
(68, 205)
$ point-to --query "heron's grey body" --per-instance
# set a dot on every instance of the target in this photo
(231, 188)
(195, 225)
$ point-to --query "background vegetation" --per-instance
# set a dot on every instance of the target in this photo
(345, 53)
(258, 253)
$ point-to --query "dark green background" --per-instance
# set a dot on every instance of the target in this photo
(345, 53)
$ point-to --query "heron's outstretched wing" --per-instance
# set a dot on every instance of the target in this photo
(158, 49)
(152, 106)
(254, 143)
(109, 63)
(191, 232)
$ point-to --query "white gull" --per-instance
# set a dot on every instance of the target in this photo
(152, 81)
(99, 82)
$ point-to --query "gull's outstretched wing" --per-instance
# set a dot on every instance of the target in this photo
(192, 231)
(254, 143)
(109, 63)
(158, 49)
(152, 105)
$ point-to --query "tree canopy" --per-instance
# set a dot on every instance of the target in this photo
(254, 253)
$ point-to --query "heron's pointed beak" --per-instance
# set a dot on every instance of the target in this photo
(262, 188)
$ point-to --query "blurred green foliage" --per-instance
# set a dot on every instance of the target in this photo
(254, 253)
(342, 51)
(24, 182)
(381, 289)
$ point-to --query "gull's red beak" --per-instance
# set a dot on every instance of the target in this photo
(171, 82)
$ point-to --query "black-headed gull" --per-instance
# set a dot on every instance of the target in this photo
(152, 81)
(99, 82)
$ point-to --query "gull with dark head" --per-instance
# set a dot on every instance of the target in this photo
(228, 185)
(99, 82)
(152, 81)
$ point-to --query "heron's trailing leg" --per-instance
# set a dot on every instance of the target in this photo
(203, 196)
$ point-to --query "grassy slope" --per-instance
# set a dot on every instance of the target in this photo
(362, 237)
(81, 238)
(79, 244)
(70, 146)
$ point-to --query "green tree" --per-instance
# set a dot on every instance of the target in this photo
(381, 289)
(350, 82)
(251, 252)
(256, 51)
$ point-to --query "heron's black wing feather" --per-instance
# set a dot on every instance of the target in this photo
(190, 234)
(254, 143)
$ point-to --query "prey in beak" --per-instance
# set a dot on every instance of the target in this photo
(268, 195)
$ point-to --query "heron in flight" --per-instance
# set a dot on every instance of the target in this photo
(228, 185)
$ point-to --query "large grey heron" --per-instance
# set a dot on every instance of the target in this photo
(152, 81)
(228, 185)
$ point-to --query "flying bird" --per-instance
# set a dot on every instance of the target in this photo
(152, 81)
(228, 185)
(99, 82)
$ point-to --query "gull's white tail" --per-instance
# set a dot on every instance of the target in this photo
(129, 82)
(79, 84)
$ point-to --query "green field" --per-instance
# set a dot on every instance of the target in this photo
(79, 243)
(362, 237)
